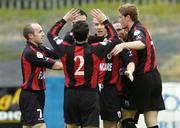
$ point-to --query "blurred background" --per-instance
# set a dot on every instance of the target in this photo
(161, 17)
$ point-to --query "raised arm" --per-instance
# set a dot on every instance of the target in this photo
(53, 34)
(102, 18)
(103, 48)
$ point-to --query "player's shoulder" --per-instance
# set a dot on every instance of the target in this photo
(29, 50)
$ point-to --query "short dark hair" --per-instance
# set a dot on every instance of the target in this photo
(26, 30)
(80, 30)
(82, 12)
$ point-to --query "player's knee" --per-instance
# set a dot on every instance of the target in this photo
(128, 123)
(26, 127)
(109, 124)
(40, 125)
(71, 126)
(154, 126)
(90, 127)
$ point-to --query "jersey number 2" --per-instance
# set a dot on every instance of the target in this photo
(79, 70)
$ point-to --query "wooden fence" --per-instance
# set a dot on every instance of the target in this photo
(50, 4)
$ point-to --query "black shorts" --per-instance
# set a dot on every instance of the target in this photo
(144, 93)
(110, 103)
(81, 106)
(31, 104)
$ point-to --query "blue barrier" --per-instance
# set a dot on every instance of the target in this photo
(54, 102)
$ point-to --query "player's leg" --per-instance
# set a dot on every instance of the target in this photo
(150, 118)
(128, 111)
(39, 125)
(90, 127)
(89, 108)
(26, 126)
(31, 106)
(155, 99)
(71, 112)
(109, 124)
(71, 126)
(109, 104)
(128, 118)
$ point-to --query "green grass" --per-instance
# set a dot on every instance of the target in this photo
(156, 17)
(12, 20)
(160, 10)
(6, 55)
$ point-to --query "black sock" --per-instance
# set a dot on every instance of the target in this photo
(128, 123)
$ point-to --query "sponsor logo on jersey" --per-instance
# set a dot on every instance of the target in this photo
(105, 66)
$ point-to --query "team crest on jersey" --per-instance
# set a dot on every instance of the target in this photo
(136, 32)
(58, 40)
(39, 55)
(103, 43)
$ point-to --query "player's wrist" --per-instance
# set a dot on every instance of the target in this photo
(123, 45)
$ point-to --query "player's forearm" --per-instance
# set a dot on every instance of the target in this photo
(52, 35)
(54, 31)
(131, 67)
(110, 30)
(136, 45)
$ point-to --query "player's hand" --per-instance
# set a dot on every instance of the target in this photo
(71, 15)
(99, 15)
(117, 49)
(129, 75)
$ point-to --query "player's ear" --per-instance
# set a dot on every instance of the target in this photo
(128, 17)
(30, 35)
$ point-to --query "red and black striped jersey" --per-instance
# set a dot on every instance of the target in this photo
(34, 61)
(81, 61)
(145, 59)
(110, 65)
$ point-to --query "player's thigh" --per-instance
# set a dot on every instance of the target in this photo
(128, 113)
(109, 124)
(26, 126)
(39, 125)
(71, 126)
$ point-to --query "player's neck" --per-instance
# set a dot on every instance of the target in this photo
(32, 42)
(130, 25)
(81, 42)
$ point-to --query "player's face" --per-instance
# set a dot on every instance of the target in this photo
(123, 21)
(121, 32)
(99, 28)
(80, 18)
(38, 35)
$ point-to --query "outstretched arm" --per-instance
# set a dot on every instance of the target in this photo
(136, 45)
(130, 70)
(52, 35)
